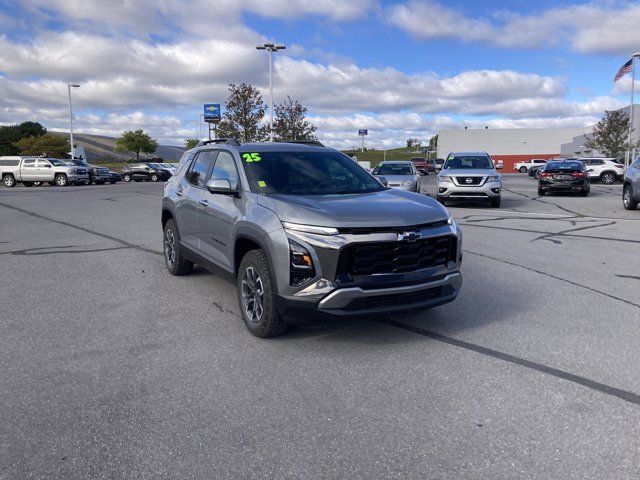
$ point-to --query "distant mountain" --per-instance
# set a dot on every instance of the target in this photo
(99, 147)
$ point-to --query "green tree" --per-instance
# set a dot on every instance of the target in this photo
(49, 145)
(412, 142)
(11, 134)
(610, 134)
(189, 143)
(244, 111)
(290, 122)
(136, 141)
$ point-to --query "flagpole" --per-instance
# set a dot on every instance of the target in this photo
(632, 148)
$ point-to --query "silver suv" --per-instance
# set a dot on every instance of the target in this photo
(307, 233)
(631, 187)
(469, 176)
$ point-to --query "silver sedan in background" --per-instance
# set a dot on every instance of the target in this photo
(398, 174)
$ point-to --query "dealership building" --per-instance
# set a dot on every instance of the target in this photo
(513, 145)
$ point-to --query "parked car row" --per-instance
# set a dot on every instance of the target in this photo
(605, 170)
(34, 171)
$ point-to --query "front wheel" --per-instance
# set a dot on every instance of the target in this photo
(495, 202)
(523, 169)
(154, 178)
(61, 180)
(627, 198)
(173, 259)
(441, 200)
(126, 177)
(256, 296)
(608, 178)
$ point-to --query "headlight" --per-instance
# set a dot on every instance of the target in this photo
(495, 178)
(407, 182)
(301, 265)
(450, 221)
(445, 179)
(296, 227)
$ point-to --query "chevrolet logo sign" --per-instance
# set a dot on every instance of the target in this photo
(409, 236)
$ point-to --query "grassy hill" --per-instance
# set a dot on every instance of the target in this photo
(376, 156)
(101, 149)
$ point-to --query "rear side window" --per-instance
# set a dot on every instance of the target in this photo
(29, 163)
(200, 168)
(9, 163)
(597, 162)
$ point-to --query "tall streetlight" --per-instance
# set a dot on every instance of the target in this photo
(271, 47)
(69, 85)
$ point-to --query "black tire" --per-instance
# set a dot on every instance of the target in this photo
(541, 193)
(38, 184)
(523, 170)
(87, 182)
(608, 178)
(61, 180)
(441, 200)
(254, 276)
(628, 201)
(584, 193)
(9, 181)
(112, 182)
(495, 202)
(53, 184)
(176, 264)
(126, 177)
(155, 177)
(101, 182)
(28, 184)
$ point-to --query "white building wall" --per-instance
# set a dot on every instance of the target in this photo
(507, 141)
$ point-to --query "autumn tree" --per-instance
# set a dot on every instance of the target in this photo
(47, 145)
(244, 110)
(290, 122)
(136, 141)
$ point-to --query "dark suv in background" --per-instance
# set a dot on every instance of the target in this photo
(307, 233)
(145, 172)
(97, 175)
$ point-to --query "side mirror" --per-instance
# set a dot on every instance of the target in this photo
(383, 181)
(221, 186)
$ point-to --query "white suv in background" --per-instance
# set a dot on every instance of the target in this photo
(607, 170)
(523, 167)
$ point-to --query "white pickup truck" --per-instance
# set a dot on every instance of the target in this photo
(523, 167)
(29, 170)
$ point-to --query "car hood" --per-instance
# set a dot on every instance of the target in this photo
(387, 208)
(398, 178)
(468, 172)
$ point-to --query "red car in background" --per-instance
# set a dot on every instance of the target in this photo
(423, 165)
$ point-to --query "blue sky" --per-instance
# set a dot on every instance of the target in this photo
(401, 69)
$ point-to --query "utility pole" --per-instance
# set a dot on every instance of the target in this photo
(271, 47)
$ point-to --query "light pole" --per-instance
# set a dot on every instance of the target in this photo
(271, 47)
(69, 85)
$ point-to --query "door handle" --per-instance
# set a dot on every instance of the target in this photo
(203, 202)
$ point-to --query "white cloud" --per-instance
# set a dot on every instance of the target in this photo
(586, 28)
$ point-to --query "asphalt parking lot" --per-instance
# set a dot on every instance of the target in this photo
(112, 368)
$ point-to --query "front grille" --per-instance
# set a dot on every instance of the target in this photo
(398, 257)
(80, 171)
(392, 300)
(474, 180)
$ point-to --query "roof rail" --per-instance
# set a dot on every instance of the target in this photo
(315, 143)
(226, 141)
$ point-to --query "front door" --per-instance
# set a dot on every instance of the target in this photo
(44, 171)
(218, 214)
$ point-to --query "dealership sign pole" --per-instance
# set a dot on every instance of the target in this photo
(212, 115)
(363, 133)
(632, 146)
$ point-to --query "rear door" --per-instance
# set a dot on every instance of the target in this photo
(189, 191)
(219, 213)
(597, 166)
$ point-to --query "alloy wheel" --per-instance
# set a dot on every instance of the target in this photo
(170, 247)
(252, 295)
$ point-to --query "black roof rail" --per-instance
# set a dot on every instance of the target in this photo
(226, 141)
(315, 143)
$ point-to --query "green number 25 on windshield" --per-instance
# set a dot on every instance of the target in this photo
(251, 157)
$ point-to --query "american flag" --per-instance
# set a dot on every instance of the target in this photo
(624, 69)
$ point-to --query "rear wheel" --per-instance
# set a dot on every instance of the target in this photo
(61, 180)
(9, 181)
(256, 296)
(608, 178)
(627, 198)
(584, 193)
(541, 193)
(126, 177)
(154, 177)
(523, 169)
(172, 256)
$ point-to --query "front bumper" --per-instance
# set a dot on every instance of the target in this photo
(358, 302)
(78, 177)
(101, 177)
(407, 188)
(486, 190)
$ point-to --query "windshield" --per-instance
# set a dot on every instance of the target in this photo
(468, 162)
(57, 163)
(564, 166)
(393, 169)
(306, 173)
